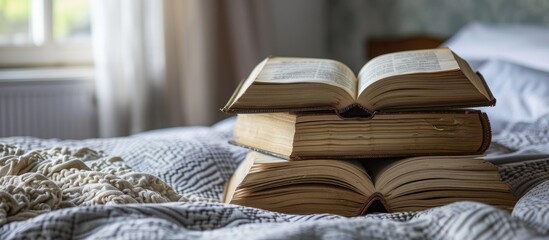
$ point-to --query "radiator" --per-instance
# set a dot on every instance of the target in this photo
(47, 106)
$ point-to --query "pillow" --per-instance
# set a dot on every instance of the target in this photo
(522, 93)
(522, 44)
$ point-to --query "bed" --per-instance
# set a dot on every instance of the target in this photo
(166, 183)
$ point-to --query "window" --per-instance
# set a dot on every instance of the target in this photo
(45, 32)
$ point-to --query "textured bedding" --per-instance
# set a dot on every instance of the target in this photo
(165, 184)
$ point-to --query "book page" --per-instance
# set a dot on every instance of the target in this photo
(248, 82)
(420, 61)
(294, 70)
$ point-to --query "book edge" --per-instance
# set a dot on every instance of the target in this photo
(227, 107)
(486, 132)
(368, 203)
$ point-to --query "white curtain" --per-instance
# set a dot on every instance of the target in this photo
(129, 64)
(169, 62)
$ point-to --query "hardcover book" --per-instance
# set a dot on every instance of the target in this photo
(313, 135)
(432, 78)
(352, 188)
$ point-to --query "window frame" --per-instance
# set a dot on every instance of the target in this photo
(42, 50)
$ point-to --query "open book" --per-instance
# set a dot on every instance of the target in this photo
(433, 78)
(310, 135)
(355, 188)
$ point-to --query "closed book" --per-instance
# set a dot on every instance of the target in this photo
(313, 135)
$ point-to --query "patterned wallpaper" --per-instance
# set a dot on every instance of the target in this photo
(353, 21)
(444, 17)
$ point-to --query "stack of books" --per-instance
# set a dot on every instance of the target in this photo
(397, 137)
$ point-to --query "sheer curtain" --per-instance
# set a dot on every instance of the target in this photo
(172, 63)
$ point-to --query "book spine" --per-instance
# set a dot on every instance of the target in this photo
(486, 133)
(370, 205)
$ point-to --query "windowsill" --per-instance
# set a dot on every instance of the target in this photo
(46, 74)
(46, 55)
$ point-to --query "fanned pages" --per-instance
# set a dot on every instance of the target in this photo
(307, 135)
(351, 188)
(433, 78)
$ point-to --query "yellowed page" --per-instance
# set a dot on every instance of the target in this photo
(298, 70)
(419, 61)
(237, 178)
(255, 72)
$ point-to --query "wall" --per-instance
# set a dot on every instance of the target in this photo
(353, 21)
(299, 28)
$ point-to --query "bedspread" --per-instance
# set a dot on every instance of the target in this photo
(195, 162)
